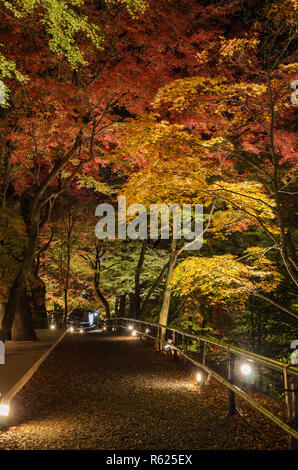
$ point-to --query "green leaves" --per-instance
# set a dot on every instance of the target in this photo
(63, 23)
(134, 7)
(118, 267)
(8, 70)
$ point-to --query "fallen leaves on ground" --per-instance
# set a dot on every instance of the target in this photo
(101, 392)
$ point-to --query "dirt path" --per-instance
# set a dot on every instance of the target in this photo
(103, 392)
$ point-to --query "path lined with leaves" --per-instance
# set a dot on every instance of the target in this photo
(113, 392)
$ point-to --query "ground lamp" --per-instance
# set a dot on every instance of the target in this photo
(4, 412)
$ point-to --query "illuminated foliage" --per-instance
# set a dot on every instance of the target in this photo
(223, 279)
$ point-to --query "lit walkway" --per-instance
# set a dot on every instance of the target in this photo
(20, 356)
(104, 392)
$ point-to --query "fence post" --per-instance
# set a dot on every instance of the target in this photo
(185, 347)
(291, 397)
(202, 352)
(174, 344)
(140, 330)
(159, 337)
(231, 378)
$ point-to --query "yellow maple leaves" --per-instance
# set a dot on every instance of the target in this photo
(223, 279)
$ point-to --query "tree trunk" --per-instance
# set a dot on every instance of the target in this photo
(14, 299)
(137, 296)
(99, 294)
(38, 289)
(33, 207)
(164, 313)
(116, 306)
(132, 310)
(70, 225)
(38, 296)
(122, 305)
(153, 287)
(65, 302)
(102, 298)
(22, 328)
(2, 310)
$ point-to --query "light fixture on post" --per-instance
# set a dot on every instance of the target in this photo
(53, 327)
(71, 329)
(168, 348)
(246, 369)
(4, 409)
(249, 373)
(130, 327)
(81, 330)
(134, 333)
(4, 412)
(201, 380)
(147, 330)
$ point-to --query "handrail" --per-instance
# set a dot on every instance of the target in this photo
(243, 395)
(263, 360)
(285, 369)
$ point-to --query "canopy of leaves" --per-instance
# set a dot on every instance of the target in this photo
(224, 279)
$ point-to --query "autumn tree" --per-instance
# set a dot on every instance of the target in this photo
(51, 124)
(81, 70)
(236, 120)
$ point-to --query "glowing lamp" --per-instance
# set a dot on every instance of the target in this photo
(4, 409)
(71, 329)
(52, 327)
(130, 327)
(245, 369)
(134, 333)
(199, 377)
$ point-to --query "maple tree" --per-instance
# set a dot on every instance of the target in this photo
(189, 108)
(54, 127)
(51, 136)
(178, 173)
(224, 279)
(221, 138)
